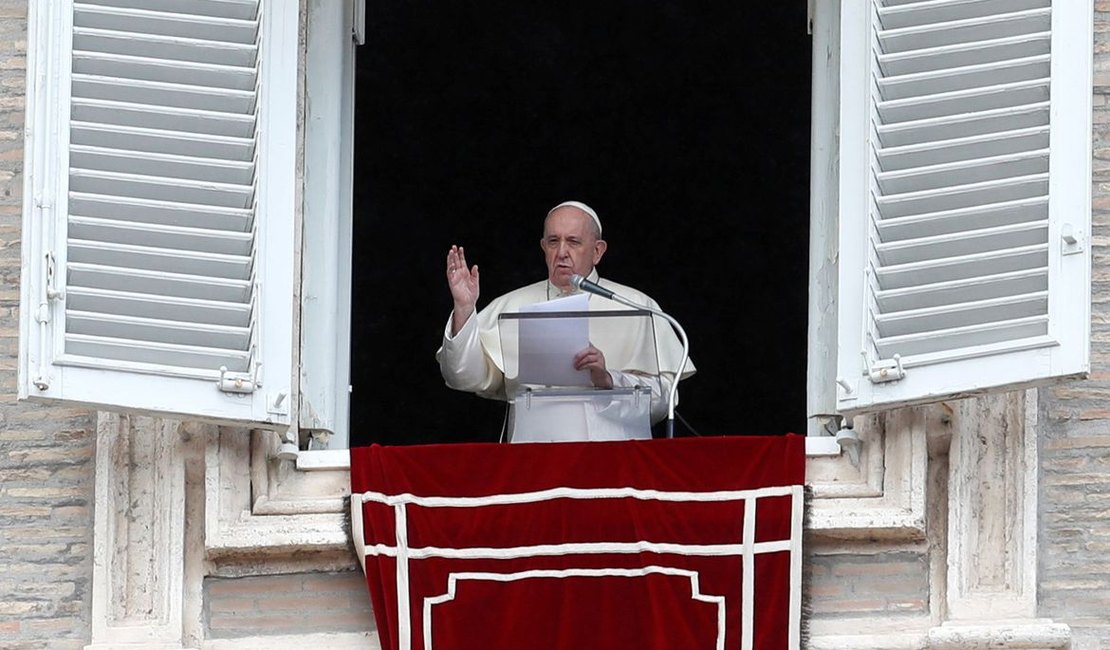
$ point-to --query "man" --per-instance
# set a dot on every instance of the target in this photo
(471, 358)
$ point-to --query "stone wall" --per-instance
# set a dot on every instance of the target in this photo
(46, 454)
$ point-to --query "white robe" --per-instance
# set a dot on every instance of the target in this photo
(472, 360)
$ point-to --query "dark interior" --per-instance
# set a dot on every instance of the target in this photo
(684, 124)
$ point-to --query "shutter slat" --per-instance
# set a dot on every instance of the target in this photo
(136, 68)
(161, 188)
(985, 287)
(161, 118)
(964, 172)
(170, 237)
(172, 285)
(1010, 118)
(213, 265)
(157, 330)
(159, 354)
(236, 9)
(932, 319)
(181, 143)
(139, 163)
(142, 21)
(160, 212)
(947, 11)
(932, 35)
(957, 105)
(129, 303)
(935, 82)
(962, 337)
(950, 56)
(962, 196)
(963, 243)
(966, 219)
(164, 47)
(962, 267)
(164, 93)
(946, 151)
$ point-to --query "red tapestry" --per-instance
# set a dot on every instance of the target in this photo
(661, 544)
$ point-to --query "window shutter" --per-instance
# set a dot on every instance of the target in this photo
(158, 220)
(964, 197)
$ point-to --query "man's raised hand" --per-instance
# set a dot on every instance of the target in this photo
(463, 283)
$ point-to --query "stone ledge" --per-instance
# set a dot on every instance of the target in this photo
(347, 641)
(1035, 634)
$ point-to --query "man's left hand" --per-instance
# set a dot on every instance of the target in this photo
(593, 360)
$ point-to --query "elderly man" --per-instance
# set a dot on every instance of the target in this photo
(471, 359)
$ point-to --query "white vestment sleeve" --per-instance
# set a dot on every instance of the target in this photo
(660, 386)
(464, 364)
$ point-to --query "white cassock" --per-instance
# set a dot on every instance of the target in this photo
(473, 359)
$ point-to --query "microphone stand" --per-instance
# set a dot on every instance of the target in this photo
(596, 289)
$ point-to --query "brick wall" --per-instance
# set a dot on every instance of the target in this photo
(853, 584)
(286, 604)
(46, 454)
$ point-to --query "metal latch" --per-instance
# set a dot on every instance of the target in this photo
(1071, 242)
(236, 382)
(887, 370)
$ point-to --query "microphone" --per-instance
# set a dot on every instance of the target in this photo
(583, 284)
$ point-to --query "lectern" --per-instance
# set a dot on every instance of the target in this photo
(553, 402)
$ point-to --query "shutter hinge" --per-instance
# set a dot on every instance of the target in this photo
(358, 22)
(887, 370)
(42, 316)
(52, 292)
(238, 382)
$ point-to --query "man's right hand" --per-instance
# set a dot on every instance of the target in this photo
(463, 283)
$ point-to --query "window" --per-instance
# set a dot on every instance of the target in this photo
(965, 149)
(165, 277)
(158, 207)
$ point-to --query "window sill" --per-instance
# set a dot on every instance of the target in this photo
(340, 459)
(324, 459)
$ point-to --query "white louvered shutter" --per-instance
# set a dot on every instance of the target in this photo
(158, 220)
(964, 197)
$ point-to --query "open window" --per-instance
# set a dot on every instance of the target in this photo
(163, 244)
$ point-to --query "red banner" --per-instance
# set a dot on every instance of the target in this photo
(661, 544)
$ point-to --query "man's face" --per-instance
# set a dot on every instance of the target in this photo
(570, 245)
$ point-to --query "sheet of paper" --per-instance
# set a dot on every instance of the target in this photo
(547, 346)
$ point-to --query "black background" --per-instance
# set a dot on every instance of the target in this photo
(684, 124)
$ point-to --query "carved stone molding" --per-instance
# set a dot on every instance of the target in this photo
(884, 496)
(257, 505)
(992, 529)
(139, 530)
(992, 510)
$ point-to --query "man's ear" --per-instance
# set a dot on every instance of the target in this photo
(599, 249)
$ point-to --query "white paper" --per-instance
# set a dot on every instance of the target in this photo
(547, 346)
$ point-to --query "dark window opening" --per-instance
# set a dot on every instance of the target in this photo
(685, 125)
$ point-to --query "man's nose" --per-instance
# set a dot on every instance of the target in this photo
(564, 250)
